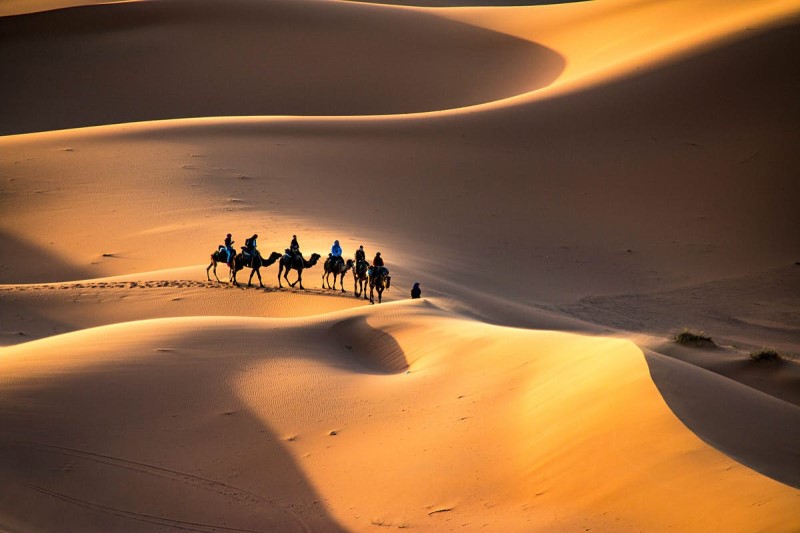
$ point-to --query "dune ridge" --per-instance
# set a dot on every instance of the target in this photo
(173, 59)
(361, 422)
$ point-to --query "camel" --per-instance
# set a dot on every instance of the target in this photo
(296, 262)
(258, 262)
(219, 256)
(379, 280)
(337, 268)
(360, 278)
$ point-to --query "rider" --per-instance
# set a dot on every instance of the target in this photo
(294, 247)
(377, 263)
(250, 246)
(336, 252)
(229, 248)
(361, 255)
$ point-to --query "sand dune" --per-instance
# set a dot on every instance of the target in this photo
(486, 443)
(590, 177)
(138, 61)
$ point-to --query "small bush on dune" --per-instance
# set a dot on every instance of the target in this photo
(766, 355)
(690, 338)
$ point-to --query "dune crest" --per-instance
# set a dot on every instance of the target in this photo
(493, 425)
(633, 36)
(188, 58)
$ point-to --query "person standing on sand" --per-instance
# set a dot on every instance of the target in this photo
(416, 292)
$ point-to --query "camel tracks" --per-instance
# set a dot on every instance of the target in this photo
(141, 517)
(228, 491)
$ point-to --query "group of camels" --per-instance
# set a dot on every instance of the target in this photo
(378, 282)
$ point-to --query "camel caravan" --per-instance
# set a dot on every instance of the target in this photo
(374, 275)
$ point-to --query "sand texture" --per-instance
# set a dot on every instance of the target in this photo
(572, 183)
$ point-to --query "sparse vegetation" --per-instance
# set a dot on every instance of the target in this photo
(690, 338)
(766, 355)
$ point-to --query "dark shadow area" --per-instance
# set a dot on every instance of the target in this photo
(129, 446)
(40, 266)
(27, 314)
(755, 429)
(139, 61)
(374, 350)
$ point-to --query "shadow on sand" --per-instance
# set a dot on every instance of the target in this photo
(736, 420)
(141, 446)
(40, 266)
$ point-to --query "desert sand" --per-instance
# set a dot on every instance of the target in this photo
(572, 184)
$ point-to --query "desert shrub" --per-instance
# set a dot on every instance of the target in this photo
(766, 355)
(690, 338)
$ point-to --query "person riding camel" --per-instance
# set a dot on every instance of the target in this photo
(361, 255)
(229, 248)
(250, 247)
(294, 247)
(336, 253)
(377, 263)
(378, 267)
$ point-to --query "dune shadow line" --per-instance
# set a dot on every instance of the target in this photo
(142, 61)
(753, 428)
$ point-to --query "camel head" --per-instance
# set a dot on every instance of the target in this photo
(314, 258)
(274, 256)
(348, 265)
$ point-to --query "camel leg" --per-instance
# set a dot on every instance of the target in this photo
(250, 279)
(280, 271)
(214, 264)
(341, 283)
(299, 280)
(258, 273)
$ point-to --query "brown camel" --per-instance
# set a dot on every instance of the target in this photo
(338, 269)
(360, 278)
(379, 280)
(296, 262)
(220, 256)
(258, 262)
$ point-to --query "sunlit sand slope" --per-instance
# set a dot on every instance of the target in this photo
(604, 39)
(401, 416)
(151, 60)
(654, 182)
